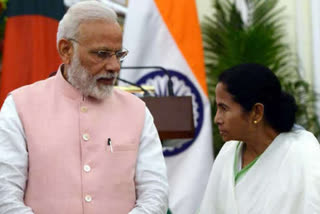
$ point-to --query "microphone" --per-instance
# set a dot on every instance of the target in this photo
(145, 92)
(169, 84)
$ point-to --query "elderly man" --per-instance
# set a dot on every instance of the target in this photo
(72, 144)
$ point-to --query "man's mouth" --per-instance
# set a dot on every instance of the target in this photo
(106, 80)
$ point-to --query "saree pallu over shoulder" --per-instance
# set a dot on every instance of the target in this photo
(220, 193)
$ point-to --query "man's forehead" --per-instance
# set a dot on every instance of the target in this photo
(96, 29)
(98, 21)
(91, 26)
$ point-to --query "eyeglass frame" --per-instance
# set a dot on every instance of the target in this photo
(108, 53)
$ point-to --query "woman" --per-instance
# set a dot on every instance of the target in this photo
(268, 165)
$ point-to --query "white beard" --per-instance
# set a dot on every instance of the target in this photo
(81, 79)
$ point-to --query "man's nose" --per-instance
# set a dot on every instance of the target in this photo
(112, 64)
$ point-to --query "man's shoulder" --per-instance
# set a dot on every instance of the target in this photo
(123, 95)
(33, 87)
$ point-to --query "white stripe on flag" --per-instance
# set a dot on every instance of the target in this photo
(150, 43)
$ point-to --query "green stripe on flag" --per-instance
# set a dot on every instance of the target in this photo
(50, 8)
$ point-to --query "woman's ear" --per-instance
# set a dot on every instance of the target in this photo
(257, 113)
(65, 50)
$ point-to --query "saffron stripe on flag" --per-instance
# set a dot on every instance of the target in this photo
(188, 39)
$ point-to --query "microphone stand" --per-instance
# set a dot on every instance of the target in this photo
(169, 84)
(145, 92)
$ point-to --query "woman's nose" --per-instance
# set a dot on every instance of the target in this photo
(217, 118)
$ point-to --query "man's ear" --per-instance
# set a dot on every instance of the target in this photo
(65, 50)
(257, 113)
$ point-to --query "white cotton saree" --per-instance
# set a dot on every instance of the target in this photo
(285, 179)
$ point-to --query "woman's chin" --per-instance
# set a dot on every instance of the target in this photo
(224, 137)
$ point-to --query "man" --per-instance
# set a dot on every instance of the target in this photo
(72, 144)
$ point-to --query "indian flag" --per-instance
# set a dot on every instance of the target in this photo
(167, 33)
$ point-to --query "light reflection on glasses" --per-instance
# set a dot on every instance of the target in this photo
(102, 55)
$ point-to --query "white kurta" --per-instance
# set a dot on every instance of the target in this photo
(284, 180)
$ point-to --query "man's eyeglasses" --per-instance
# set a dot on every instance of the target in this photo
(101, 55)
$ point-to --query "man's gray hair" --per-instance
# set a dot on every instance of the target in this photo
(81, 12)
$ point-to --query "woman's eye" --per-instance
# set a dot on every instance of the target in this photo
(223, 108)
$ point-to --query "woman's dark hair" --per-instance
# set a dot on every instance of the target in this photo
(252, 83)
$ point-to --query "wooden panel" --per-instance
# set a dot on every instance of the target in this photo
(173, 116)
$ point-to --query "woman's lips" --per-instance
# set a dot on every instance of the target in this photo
(222, 132)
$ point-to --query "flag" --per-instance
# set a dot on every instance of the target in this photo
(167, 33)
(30, 52)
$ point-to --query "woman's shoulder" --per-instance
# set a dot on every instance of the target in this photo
(305, 148)
(229, 145)
(303, 139)
(228, 150)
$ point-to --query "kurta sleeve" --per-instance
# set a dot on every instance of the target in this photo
(13, 161)
(151, 175)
